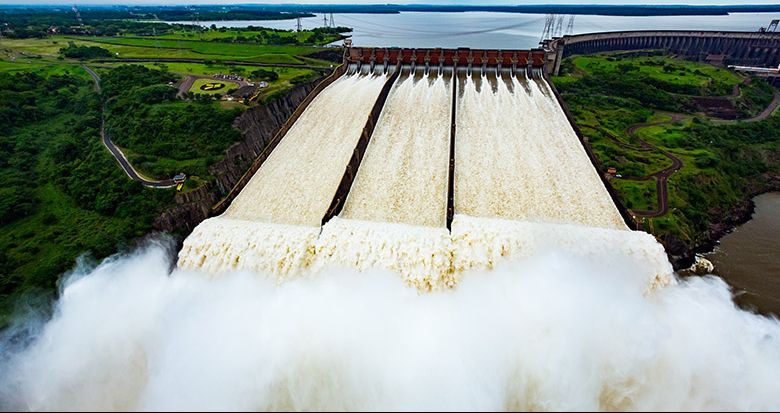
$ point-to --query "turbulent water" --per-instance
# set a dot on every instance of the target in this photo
(518, 158)
(403, 177)
(271, 224)
(539, 298)
(295, 185)
(553, 331)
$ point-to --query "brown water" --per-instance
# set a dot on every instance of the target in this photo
(749, 258)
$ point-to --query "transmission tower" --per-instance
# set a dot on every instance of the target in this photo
(299, 26)
(773, 26)
(325, 20)
(78, 15)
(332, 22)
(559, 28)
(570, 27)
(549, 26)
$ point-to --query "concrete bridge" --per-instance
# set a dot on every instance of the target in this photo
(754, 49)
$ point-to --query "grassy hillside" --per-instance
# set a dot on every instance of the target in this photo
(639, 112)
(62, 193)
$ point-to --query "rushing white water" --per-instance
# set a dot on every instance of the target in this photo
(272, 224)
(395, 215)
(517, 157)
(295, 185)
(403, 176)
(552, 331)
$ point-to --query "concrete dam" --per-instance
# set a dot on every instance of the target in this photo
(428, 163)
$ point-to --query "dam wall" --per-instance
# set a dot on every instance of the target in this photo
(428, 163)
(758, 49)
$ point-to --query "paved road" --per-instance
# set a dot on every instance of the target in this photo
(118, 155)
(661, 177)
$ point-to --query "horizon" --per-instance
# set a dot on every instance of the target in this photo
(689, 3)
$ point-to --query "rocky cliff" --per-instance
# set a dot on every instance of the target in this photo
(257, 125)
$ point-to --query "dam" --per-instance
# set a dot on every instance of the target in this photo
(427, 163)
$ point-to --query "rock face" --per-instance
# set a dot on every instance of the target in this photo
(258, 126)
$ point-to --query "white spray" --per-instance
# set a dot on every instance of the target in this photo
(549, 332)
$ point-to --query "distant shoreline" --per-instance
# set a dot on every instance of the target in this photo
(602, 10)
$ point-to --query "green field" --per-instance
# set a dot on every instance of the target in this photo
(150, 48)
(677, 76)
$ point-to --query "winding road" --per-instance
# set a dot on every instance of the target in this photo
(662, 177)
(116, 152)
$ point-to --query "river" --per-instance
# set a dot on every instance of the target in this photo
(749, 257)
(495, 30)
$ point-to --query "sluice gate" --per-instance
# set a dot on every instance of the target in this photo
(439, 59)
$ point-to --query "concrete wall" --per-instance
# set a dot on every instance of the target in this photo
(735, 48)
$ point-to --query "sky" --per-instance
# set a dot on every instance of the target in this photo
(505, 2)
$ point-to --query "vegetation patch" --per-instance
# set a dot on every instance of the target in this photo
(724, 162)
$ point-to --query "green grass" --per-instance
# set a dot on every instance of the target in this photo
(679, 73)
(142, 47)
(155, 48)
(227, 87)
(637, 195)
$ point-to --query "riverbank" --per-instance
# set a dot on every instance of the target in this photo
(747, 257)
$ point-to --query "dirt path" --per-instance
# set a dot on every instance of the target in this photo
(116, 152)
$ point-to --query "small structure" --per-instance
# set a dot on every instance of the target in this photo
(179, 180)
(262, 85)
(612, 170)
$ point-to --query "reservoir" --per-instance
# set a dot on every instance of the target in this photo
(495, 30)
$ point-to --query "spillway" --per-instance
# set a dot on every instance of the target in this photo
(296, 183)
(403, 177)
(521, 184)
(518, 158)
(272, 225)
(395, 215)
